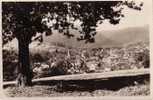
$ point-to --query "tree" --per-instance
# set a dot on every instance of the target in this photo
(24, 20)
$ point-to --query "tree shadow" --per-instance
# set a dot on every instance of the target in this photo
(112, 84)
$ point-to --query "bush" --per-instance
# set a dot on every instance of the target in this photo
(103, 59)
(10, 64)
(144, 58)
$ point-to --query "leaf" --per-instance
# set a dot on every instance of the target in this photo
(49, 32)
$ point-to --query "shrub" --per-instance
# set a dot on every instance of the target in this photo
(9, 64)
(104, 59)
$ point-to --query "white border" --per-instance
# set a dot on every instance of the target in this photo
(2, 96)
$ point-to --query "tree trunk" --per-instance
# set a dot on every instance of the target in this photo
(24, 77)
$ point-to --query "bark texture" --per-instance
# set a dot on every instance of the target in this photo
(24, 77)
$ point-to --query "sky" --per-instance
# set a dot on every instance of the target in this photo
(133, 18)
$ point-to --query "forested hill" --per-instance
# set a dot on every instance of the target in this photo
(107, 38)
(111, 38)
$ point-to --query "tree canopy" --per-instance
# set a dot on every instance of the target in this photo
(24, 19)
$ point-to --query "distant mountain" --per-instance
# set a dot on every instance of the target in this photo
(112, 38)
(124, 36)
(106, 38)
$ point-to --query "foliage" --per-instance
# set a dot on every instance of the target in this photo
(104, 59)
(9, 64)
(26, 19)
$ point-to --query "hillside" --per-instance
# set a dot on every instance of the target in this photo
(112, 38)
(107, 38)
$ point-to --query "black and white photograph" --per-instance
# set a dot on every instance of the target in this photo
(76, 48)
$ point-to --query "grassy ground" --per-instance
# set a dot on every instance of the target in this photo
(48, 91)
(87, 88)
